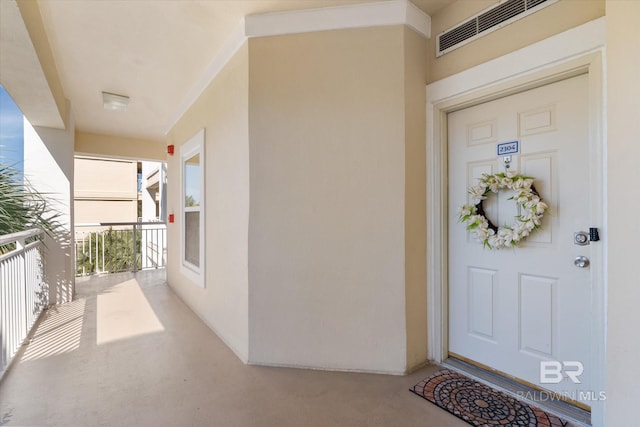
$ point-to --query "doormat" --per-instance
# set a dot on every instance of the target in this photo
(480, 405)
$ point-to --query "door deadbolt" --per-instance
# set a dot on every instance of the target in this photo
(581, 262)
(581, 238)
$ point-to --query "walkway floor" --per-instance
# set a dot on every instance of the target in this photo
(128, 352)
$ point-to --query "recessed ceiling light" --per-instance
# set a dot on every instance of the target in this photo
(111, 101)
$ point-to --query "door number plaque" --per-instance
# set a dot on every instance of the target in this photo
(508, 148)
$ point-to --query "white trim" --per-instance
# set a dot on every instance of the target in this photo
(395, 12)
(230, 47)
(195, 145)
(383, 13)
(571, 43)
(580, 49)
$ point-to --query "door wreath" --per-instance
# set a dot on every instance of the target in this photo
(531, 208)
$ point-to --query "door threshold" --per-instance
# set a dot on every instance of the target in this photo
(576, 416)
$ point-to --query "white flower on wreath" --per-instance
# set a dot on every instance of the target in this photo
(477, 193)
(532, 210)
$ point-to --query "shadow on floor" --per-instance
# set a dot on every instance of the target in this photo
(128, 352)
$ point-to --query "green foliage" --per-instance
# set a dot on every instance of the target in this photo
(22, 207)
(118, 252)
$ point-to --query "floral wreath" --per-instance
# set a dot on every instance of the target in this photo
(527, 198)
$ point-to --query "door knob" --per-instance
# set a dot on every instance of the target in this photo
(581, 261)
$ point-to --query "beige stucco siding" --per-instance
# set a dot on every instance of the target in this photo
(117, 147)
(48, 164)
(105, 190)
(326, 231)
(94, 211)
(222, 111)
(622, 228)
(314, 274)
(415, 68)
(554, 19)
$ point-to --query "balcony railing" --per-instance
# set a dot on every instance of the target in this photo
(110, 247)
(23, 293)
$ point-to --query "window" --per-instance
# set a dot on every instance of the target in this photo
(192, 229)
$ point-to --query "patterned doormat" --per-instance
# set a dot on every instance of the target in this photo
(480, 405)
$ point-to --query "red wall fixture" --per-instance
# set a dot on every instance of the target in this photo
(170, 149)
(172, 218)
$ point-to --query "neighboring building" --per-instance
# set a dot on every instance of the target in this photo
(105, 190)
(152, 205)
(152, 191)
(120, 191)
(113, 190)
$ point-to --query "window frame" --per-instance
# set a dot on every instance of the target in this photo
(194, 146)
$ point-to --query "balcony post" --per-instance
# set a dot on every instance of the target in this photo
(135, 248)
(20, 246)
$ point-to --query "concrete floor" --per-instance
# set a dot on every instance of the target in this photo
(128, 352)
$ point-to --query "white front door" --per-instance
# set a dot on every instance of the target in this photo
(510, 309)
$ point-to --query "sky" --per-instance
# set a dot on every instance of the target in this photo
(192, 181)
(11, 132)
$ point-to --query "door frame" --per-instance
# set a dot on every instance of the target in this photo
(574, 52)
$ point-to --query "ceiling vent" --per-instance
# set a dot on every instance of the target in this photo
(504, 13)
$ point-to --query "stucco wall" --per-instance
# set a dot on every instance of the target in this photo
(51, 150)
(105, 191)
(153, 189)
(106, 179)
(327, 221)
(116, 147)
(623, 152)
(551, 20)
(415, 69)
(96, 210)
(222, 111)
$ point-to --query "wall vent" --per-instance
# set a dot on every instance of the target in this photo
(498, 16)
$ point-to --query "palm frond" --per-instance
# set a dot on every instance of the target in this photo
(22, 207)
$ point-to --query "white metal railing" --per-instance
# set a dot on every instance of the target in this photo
(110, 247)
(23, 293)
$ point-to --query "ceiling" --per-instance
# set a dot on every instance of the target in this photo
(152, 51)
